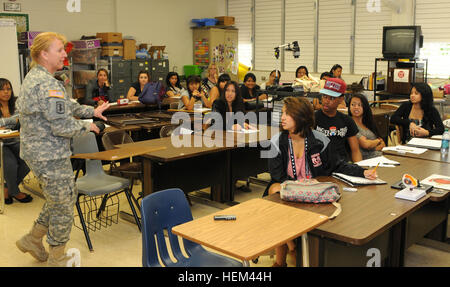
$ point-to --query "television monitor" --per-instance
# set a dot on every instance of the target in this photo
(402, 42)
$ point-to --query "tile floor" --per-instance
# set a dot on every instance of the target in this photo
(119, 245)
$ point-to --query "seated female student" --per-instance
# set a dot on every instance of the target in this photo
(174, 88)
(249, 92)
(193, 94)
(217, 90)
(336, 70)
(370, 142)
(418, 117)
(230, 101)
(271, 81)
(312, 155)
(211, 81)
(97, 90)
(137, 87)
(16, 169)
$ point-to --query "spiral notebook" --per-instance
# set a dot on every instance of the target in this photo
(356, 180)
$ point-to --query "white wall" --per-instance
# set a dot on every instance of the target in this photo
(52, 15)
(166, 23)
(156, 22)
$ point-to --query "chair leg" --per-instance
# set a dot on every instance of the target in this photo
(83, 224)
(102, 205)
(138, 223)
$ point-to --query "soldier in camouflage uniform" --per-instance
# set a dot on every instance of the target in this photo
(47, 125)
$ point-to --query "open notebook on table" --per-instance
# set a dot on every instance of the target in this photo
(425, 143)
(383, 161)
(356, 180)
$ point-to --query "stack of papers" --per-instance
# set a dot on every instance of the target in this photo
(356, 180)
(438, 181)
(383, 161)
(405, 149)
(425, 143)
(412, 195)
(244, 131)
(437, 137)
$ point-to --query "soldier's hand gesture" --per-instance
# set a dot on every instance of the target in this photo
(100, 109)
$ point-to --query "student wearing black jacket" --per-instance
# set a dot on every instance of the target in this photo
(418, 117)
(312, 155)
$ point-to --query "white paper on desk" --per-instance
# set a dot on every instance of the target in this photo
(438, 181)
(113, 104)
(383, 161)
(6, 132)
(134, 102)
(424, 143)
(405, 149)
(244, 131)
(437, 137)
(356, 180)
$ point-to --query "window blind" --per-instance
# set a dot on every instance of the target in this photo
(267, 34)
(299, 26)
(335, 29)
(433, 17)
(241, 10)
(369, 36)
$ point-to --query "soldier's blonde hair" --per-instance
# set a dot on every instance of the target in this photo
(41, 43)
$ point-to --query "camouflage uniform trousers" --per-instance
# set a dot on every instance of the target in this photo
(57, 181)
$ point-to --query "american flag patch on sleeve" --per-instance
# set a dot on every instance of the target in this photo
(56, 94)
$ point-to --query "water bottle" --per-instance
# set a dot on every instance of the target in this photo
(444, 144)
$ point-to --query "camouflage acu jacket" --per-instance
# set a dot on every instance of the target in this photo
(46, 116)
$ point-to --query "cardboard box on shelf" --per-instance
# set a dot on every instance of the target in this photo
(143, 46)
(225, 21)
(112, 51)
(129, 49)
(159, 49)
(110, 37)
(84, 56)
(86, 44)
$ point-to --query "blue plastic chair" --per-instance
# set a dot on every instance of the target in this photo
(161, 211)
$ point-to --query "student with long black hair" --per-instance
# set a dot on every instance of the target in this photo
(336, 70)
(370, 142)
(193, 94)
(216, 91)
(173, 86)
(230, 101)
(16, 169)
(418, 117)
(249, 92)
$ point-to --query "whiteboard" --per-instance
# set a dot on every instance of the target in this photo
(9, 54)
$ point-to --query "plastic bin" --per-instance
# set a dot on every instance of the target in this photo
(190, 70)
(205, 22)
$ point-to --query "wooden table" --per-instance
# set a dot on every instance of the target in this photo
(190, 167)
(373, 218)
(429, 155)
(2, 176)
(215, 161)
(260, 226)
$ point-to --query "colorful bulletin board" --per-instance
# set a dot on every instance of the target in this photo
(22, 21)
